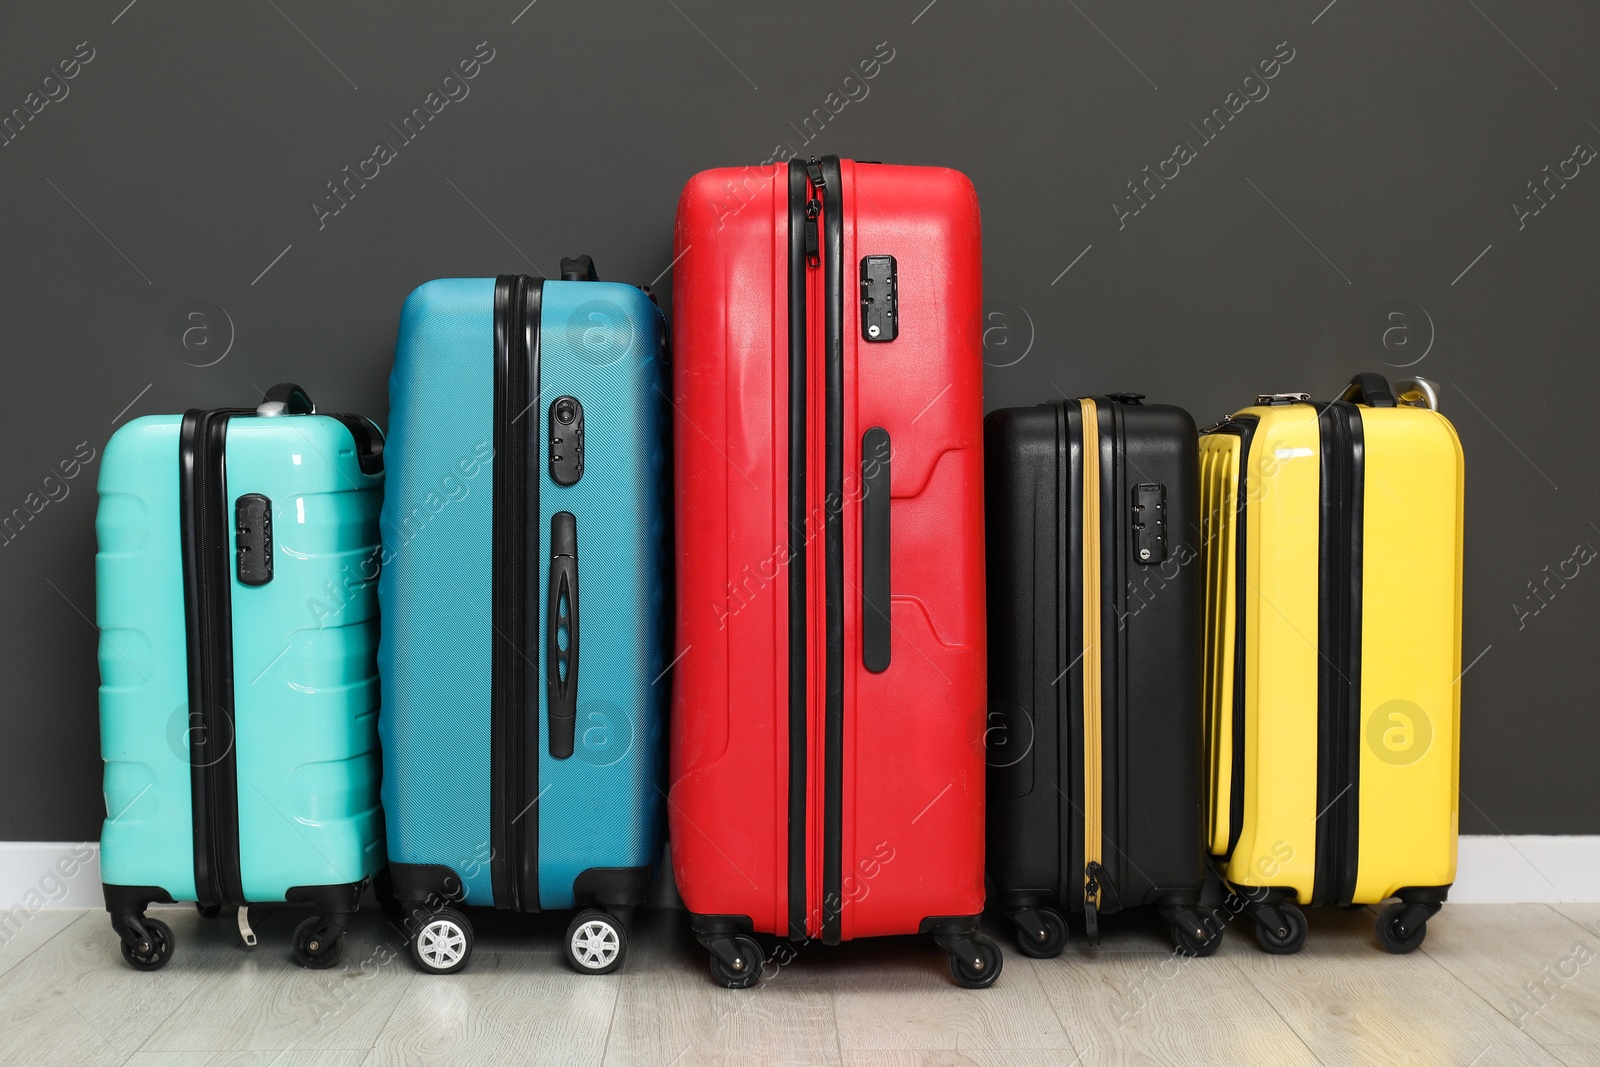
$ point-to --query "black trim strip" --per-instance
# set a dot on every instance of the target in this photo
(530, 437)
(1352, 730)
(876, 454)
(514, 818)
(208, 617)
(1116, 498)
(798, 594)
(833, 445)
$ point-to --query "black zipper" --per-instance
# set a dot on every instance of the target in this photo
(208, 612)
(514, 672)
(1339, 649)
(825, 173)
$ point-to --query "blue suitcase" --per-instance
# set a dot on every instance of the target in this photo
(524, 593)
(235, 587)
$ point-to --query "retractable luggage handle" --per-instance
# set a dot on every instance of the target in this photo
(561, 664)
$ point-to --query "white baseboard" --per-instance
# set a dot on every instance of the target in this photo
(1492, 870)
(1528, 869)
(35, 875)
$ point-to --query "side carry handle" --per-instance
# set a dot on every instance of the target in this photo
(578, 270)
(561, 656)
(286, 398)
(1369, 389)
(876, 452)
(368, 439)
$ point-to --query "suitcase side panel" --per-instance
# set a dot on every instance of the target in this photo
(434, 654)
(602, 343)
(1220, 458)
(304, 659)
(1028, 821)
(913, 788)
(147, 838)
(1154, 791)
(1410, 652)
(728, 806)
(1277, 843)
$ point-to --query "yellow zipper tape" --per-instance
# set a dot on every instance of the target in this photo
(1091, 658)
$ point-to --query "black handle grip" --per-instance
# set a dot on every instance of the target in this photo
(580, 269)
(295, 400)
(368, 439)
(1369, 389)
(561, 661)
(875, 629)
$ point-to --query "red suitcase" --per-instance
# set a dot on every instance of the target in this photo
(827, 732)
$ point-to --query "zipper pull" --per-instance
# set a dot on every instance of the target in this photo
(814, 172)
(813, 252)
(247, 935)
(1091, 902)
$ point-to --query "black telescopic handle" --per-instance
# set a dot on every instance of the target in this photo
(561, 663)
(1369, 389)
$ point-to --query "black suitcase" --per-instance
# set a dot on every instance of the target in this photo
(1094, 740)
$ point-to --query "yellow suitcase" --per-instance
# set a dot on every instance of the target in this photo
(1332, 657)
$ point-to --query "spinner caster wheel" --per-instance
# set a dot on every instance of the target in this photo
(597, 943)
(1045, 939)
(744, 969)
(1286, 939)
(979, 969)
(1395, 934)
(1202, 940)
(442, 943)
(154, 951)
(316, 946)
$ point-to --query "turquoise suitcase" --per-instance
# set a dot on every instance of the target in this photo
(236, 590)
(525, 608)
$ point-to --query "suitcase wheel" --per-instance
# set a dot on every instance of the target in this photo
(979, 967)
(1400, 933)
(742, 967)
(153, 950)
(318, 943)
(597, 942)
(1282, 936)
(442, 942)
(1041, 932)
(208, 911)
(1198, 940)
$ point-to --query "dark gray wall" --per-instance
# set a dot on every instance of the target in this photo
(1383, 161)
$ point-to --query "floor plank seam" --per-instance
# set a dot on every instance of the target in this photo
(1557, 909)
(1305, 1043)
(611, 1020)
(1077, 1053)
(1436, 961)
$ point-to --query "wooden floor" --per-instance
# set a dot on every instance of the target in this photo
(1493, 985)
